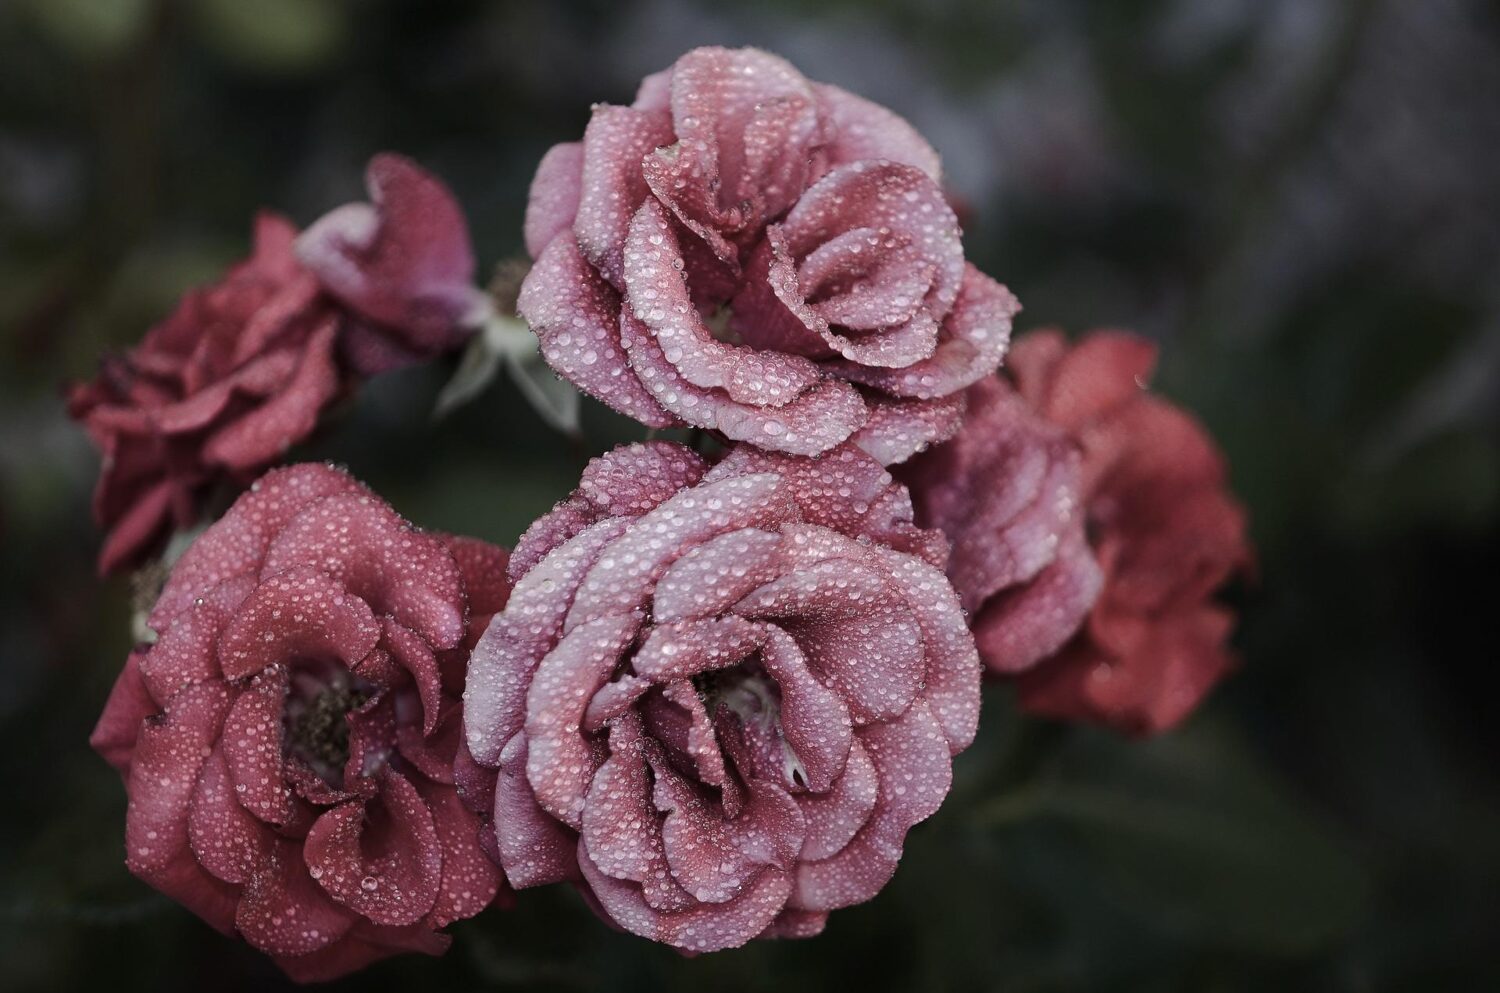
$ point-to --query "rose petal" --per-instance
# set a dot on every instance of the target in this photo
(622, 579)
(252, 747)
(381, 859)
(555, 192)
(236, 544)
(226, 839)
(560, 761)
(575, 315)
(266, 433)
(865, 130)
(129, 704)
(367, 549)
(911, 758)
(534, 847)
(299, 614)
(402, 260)
(834, 816)
(1023, 626)
(169, 753)
(283, 912)
(713, 575)
(506, 658)
(615, 143)
(971, 344)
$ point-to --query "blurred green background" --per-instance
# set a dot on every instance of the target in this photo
(1298, 198)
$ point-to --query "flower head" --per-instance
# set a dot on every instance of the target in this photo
(288, 743)
(720, 696)
(1092, 527)
(747, 251)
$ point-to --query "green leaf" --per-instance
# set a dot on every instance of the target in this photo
(476, 370)
(552, 398)
(508, 341)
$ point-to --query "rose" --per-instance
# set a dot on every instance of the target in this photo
(719, 697)
(1092, 527)
(288, 743)
(1006, 492)
(1165, 530)
(401, 264)
(242, 369)
(746, 251)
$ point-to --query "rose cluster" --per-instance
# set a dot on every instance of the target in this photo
(715, 687)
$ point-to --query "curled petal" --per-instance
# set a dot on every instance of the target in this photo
(302, 613)
(561, 761)
(365, 547)
(164, 770)
(226, 839)
(1021, 627)
(403, 260)
(703, 927)
(911, 759)
(623, 577)
(283, 912)
(383, 859)
(899, 429)
(714, 575)
(575, 315)
(506, 658)
(970, 345)
(534, 847)
(266, 433)
(555, 192)
(616, 142)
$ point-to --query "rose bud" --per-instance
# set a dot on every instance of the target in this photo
(288, 743)
(720, 696)
(773, 259)
(242, 369)
(1092, 527)
(401, 264)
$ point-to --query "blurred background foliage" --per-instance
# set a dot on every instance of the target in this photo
(1298, 198)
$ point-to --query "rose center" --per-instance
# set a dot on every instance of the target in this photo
(749, 693)
(317, 723)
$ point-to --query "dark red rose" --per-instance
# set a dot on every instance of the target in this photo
(288, 742)
(720, 696)
(1092, 527)
(242, 369)
(750, 252)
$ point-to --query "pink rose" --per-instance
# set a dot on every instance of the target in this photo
(288, 743)
(401, 264)
(1092, 527)
(242, 369)
(747, 251)
(720, 696)
(1006, 493)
